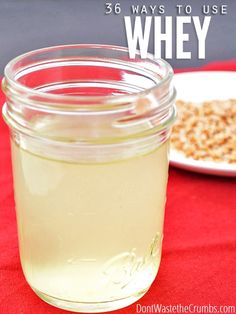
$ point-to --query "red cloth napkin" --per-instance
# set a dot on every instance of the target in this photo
(199, 251)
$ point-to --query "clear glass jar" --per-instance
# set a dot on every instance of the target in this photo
(89, 133)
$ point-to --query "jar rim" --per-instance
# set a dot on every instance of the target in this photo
(11, 81)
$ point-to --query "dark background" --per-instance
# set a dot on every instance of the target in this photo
(32, 24)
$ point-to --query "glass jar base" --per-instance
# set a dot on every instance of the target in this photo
(86, 307)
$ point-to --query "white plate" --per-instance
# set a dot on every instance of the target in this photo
(198, 87)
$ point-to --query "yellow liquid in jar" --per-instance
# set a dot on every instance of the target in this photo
(90, 232)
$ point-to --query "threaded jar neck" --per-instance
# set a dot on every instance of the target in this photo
(89, 94)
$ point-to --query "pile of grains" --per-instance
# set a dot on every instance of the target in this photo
(206, 131)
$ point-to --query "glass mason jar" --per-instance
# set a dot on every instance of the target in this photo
(89, 138)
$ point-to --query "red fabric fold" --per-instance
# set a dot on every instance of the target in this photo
(199, 250)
